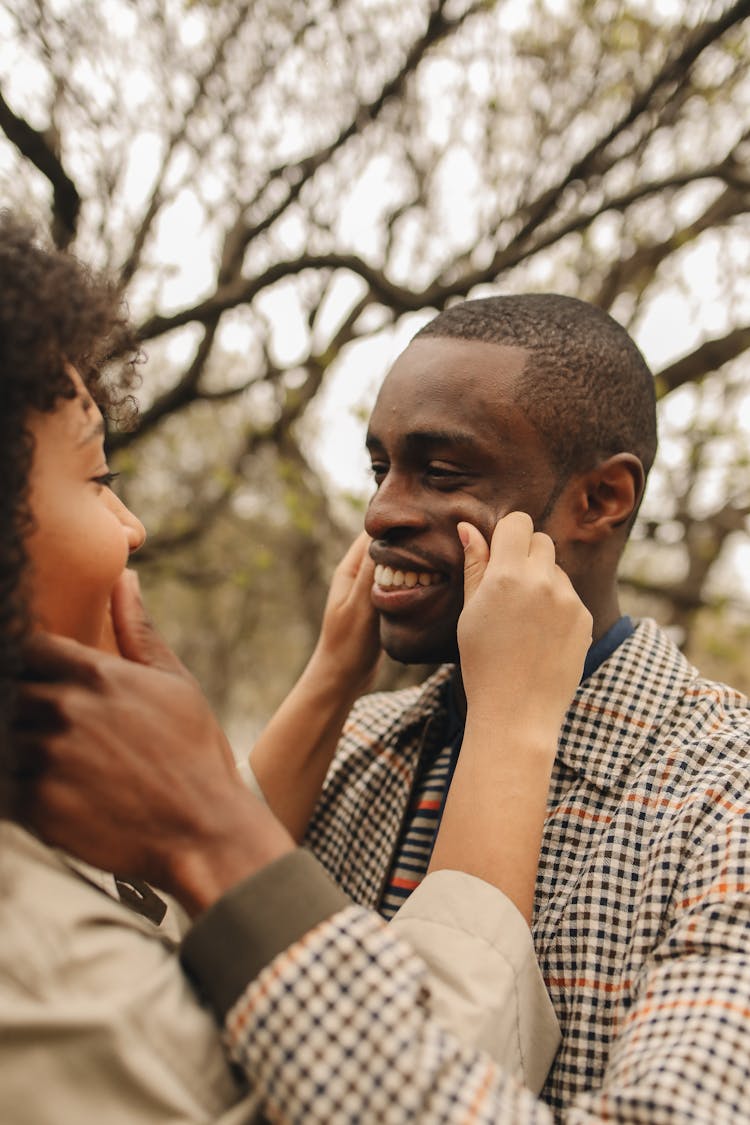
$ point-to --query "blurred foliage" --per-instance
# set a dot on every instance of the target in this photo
(286, 189)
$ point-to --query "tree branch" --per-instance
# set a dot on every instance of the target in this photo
(709, 357)
(654, 96)
(243, 290)
(296, 175)
(38, 149)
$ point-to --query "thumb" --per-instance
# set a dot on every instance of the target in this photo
(476, 557)
(137, 638)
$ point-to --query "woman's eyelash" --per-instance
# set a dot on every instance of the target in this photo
(106, 479)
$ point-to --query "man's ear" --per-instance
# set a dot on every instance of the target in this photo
(607, 496)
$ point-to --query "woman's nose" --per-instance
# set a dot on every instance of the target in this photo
(134, 529)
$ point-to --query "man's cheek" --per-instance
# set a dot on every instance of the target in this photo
(485, 519)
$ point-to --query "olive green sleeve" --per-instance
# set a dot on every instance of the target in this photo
(240, 934)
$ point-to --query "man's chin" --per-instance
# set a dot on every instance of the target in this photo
(418, 650)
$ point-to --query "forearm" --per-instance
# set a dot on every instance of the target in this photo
(523, 634)
(220, 854)
(494, 813)
(292, 755)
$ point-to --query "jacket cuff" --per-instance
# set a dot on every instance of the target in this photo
(263, 915)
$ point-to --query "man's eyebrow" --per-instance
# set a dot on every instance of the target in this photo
(424, 438)
(441, 437)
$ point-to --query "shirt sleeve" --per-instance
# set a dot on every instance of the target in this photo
(484, 980)
(337, 1026)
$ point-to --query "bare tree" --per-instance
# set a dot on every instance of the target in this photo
(275, 182)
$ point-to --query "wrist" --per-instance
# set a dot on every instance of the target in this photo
(326, 678)
(218, 856)
(511, 735)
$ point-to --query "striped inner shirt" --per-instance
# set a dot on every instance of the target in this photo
(425, 809)
(420, 827)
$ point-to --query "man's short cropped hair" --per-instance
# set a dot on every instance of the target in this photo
(586, 387)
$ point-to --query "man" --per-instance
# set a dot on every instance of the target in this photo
(642, 913)
(642, 918)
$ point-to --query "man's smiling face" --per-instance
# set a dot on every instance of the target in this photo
(447, 442)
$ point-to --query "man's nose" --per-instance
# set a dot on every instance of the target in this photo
(395, 506)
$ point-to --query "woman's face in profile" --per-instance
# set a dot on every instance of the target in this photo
(82, 533)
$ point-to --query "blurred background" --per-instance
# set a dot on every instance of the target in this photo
(288, 189)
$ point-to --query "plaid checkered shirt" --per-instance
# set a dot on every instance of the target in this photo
(642, 918)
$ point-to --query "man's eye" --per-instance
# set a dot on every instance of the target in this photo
(378, 470)
(106, 479)
(445, 472)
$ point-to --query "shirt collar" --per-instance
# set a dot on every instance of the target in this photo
(602, 649)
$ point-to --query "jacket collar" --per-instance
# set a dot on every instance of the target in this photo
(617, 714)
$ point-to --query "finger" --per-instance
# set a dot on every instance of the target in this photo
(137, 638)
(476, 557)
(107, 640)
(542, 549)
(36, 708)
(365, 566)
(49, 658)
(351, 564)
(353, 577)
(512, 536)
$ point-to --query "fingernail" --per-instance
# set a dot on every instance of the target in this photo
(463, 534)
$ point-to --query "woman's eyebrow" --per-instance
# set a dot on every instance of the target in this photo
(95, 430)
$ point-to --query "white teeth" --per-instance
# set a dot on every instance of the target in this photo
(386, 577)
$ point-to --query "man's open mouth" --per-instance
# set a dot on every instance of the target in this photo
(388, 578)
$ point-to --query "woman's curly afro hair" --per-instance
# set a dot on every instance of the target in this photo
(53, 313)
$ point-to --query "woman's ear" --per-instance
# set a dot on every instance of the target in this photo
(607, 496)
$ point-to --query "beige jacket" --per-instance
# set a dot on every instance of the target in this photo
(98, 1022)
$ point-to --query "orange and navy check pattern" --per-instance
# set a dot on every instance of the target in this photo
(642, 923)
(336, 1031)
